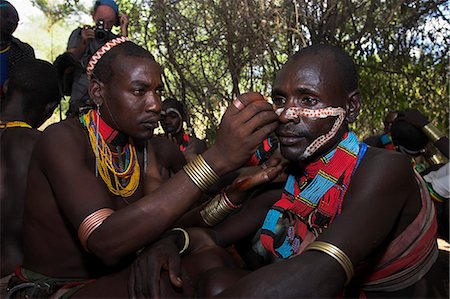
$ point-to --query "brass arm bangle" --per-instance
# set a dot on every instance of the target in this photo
(201, 173)
(186, 238)
(432, 132)
(216, 210)
(335, 253)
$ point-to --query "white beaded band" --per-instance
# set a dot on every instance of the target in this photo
(100, 52)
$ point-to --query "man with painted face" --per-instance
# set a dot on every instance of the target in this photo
(173, 116)
(85, 41)
(95, 197)
(350, 219)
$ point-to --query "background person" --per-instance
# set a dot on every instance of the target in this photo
(84, 41)
(32, 94)
(12, 50)
(173, 116)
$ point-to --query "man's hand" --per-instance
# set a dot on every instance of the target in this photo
(123, 21)
(242, 129)
(269, 171)
(145, 275)
(87, 33)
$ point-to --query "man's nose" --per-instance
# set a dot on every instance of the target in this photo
(285, 115)
(153, 103)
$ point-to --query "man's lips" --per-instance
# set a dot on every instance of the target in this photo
(151, 125)
(288, 138)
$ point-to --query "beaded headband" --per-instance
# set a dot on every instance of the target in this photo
(296, 112)
(102, 51)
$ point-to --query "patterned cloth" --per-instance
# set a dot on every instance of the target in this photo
(29, 284)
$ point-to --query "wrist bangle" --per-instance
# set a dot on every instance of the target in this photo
(201, 173)
(432, 132)
(217, 209)
(186, 238)
(335, 253)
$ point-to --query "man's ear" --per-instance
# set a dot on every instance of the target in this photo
(96, 91)
(353, 106)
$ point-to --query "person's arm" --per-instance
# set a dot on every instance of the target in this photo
(79, 193)
(416, 118)
(123, 21)
(372, 214)
(230, 200)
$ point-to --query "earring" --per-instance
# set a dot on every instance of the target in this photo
(97, 127)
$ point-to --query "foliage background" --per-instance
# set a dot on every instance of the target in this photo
(212, 50)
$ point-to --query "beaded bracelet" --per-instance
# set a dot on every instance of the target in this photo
(335, 253)
(201, 173)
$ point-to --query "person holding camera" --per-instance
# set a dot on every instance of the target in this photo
(83, 42)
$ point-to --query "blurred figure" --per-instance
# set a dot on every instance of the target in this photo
(12, 50)
(83, 42)
(31, 95)
(383, 140)
(172, 117)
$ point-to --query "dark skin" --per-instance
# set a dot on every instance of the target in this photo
(172, 125)
(365, 224)
(61, 194)
(169, 158)
(16, 146)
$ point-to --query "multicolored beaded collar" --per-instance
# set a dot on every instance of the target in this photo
(120, 182)
(14, 124)
(311, 202)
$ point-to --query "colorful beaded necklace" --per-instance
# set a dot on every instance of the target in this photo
(123, 183)
(312, 201)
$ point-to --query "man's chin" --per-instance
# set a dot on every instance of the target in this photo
(292, 154)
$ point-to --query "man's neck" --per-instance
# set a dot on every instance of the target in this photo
(111, 136)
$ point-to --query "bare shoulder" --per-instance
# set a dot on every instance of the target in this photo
(388, 164)
(64, 138)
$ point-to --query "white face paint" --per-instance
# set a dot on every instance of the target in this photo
(296, 112)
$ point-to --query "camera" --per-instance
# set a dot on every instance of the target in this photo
(100, 32)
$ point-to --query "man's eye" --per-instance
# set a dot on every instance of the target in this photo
(139, 91)
(308, 101)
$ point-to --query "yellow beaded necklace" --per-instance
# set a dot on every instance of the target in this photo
(109, 171)
(14, 124)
